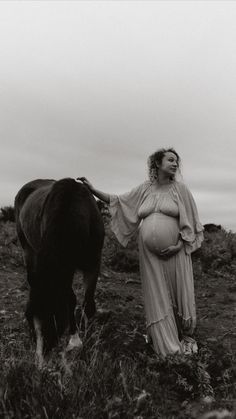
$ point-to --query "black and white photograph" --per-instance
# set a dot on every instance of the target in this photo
(118, 209)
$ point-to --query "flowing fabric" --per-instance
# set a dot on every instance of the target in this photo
(162, 216)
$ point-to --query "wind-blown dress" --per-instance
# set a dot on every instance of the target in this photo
(162, 216)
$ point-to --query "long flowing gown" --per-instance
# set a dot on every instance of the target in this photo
(162, 216)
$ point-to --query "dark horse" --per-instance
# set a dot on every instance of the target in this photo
(60, 230)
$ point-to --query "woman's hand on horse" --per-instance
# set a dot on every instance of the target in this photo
(86, 182)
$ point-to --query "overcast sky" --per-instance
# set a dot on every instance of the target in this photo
(92, 88)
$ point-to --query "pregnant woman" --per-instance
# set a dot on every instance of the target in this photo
(164, 212)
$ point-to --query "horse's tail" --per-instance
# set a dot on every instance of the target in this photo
(72, 236)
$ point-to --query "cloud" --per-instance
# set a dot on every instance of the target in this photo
(93, 88)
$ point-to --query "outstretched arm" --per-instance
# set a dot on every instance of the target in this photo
(99, 194)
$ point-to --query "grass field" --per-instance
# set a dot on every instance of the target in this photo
(116, 374)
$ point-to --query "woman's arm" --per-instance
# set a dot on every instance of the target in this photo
(99, 194)
(191, 229)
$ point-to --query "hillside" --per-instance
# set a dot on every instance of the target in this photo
(117, 375)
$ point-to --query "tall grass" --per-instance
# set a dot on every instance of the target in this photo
(122, 380)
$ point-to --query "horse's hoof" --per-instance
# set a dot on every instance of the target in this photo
(74, 343)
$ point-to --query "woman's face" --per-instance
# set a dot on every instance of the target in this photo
(169, 164)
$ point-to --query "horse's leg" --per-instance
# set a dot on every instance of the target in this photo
(28, 255)
(75, 341)
(30, 262)
(72, 306)
(39, 359)
(30, 265)
(90, 282)
(30, 319)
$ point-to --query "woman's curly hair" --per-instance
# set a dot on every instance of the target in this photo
(156, 158)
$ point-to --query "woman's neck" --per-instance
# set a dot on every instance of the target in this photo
(163, 180)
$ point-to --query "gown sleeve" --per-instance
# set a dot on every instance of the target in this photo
(124, 212)
(191, 229)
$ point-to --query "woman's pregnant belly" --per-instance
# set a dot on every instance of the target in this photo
(159, 231)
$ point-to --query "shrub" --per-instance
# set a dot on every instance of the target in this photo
(10, 251)
(125, 260)
(7, 214)
(218, 250)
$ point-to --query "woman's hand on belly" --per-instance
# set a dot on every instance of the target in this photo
(171, 250)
